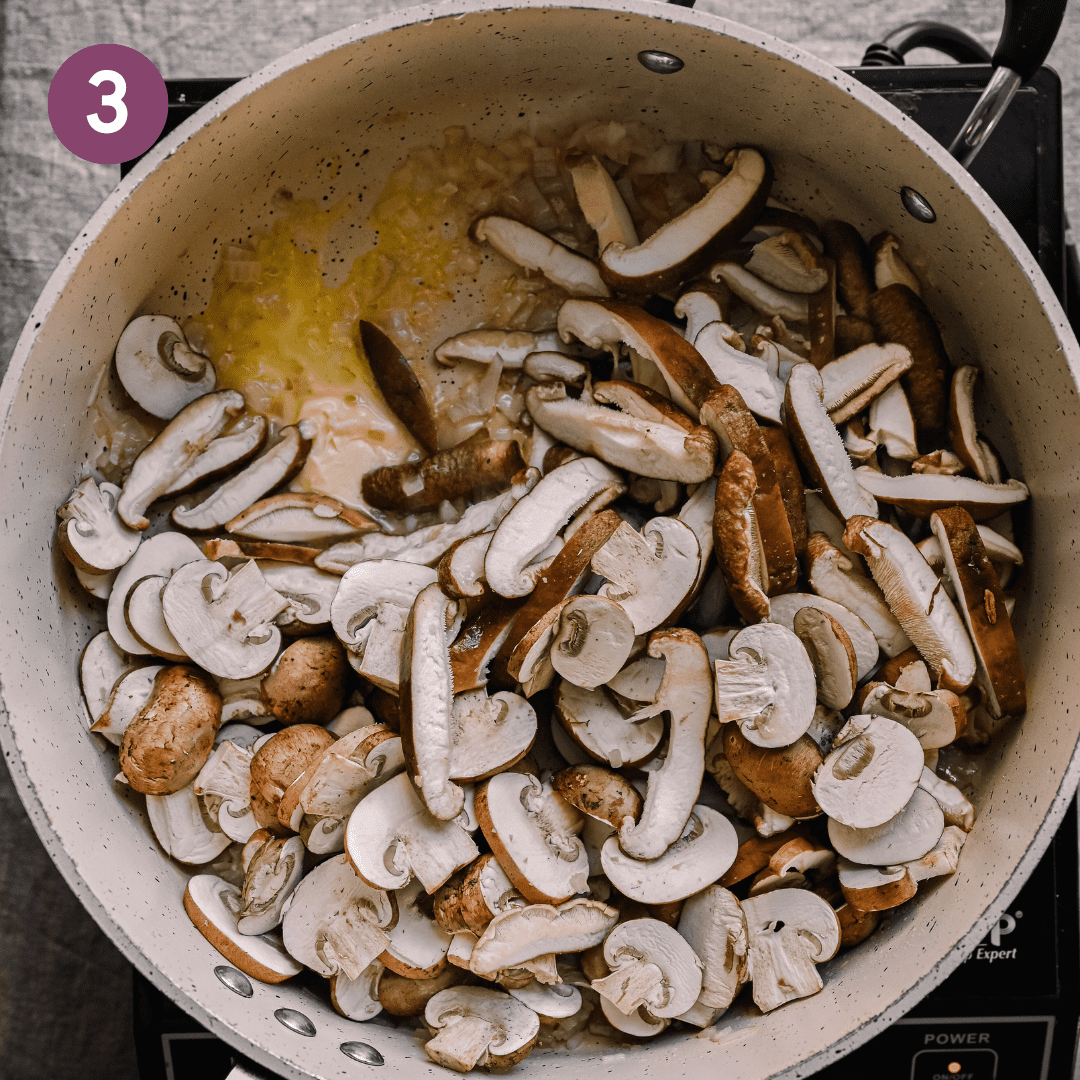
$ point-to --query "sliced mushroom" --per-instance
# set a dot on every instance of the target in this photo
(854, 266)
(935, 717)
(416, 945)
(789, 261)
(483, 346)
(637, 1024)
(400, 996)
(767, 686)
(241, 700)
(225, 782)
(595, 724)
(781, 777)
(963, 434)
(737, 538)
(212, 905)
(686, 244)
(760, 387)
(98, 586)
(358, 999)
(599, 200)
(893, 426)
(279, 761)
(184, 829)
(831, 653)
(131, 691)
(91, 533)
(158, 367)
(889, 267)
(903, 838)
(599, 793)
(223, 454)
(310, 593)
(472, 1021)
(220, 548)
(759, 294)
(474, 896)
(146, 620)
(941, 859)
(783, 609)
(699, 306)
(481, 643)
(793, 865)
(713, 925)
(101, 666)
(875, 888)
(853, 381)
(489, 734)
(532, 250)
(299, 517)
(594, 638)
(956, 808)
(917, 599)
(921, 494)
(269, 880)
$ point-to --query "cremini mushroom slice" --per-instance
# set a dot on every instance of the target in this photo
(856, 442)
(593, 641)
(935, 717)
(480, 463)
(870, 774)
(794, 865)
(521, 934)
(875, 888)
(416, 945)
(269, 879)
(550, 367)
(713, 925)
(612, 325)
(146, 620)
(1000, 671)
(427, 698)
(488, 734)
(279, 761)
(158, 367)
(532, 250)
(460, 951)
(700, 305)
(272, 468)
(942, 859)
(783, 608)
(335, 921)
(759, 294)
(921, 494)
(819, 446)
(131, 691)
(652, 965)
(461, 569)
(767, 686)
(893, 426)
(755, 852)
(481, 641)
(224, 784)
(831, 653)
(241, 700)
(852, 382)
(705, 848)
(533, 833)
(472, 1022)
(649, 573)
(171, 737)
(400, 996)
(954, 805)
(685, 245)
(790, 262)
(391, 837)
(537, 518)
(98, 586)
(595, 724)
(889, 267)
(781, 777)
(224, 621)
(963, 434)
(638, 1024)
(551, 1002)
(220, 548)
(909, 835)
(300, 517)
(789, 479)
(474, 896)
(159, 556)
(171, 453)
(761, 388)
(854, 266)
(789, 932)
(225, 453)
(358, 999)
(686, 694)
(737, 538)
(184, 829)
(91, 533)
(510, 346)
(101, 666)
(917, 599)
(212, 905)
(310, 593)
(646, 434)
(599, 793)
(599, 200)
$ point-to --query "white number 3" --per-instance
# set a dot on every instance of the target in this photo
(115, 101)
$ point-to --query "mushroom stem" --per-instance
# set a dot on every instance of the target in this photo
(462, 1043)
(350, 941)
(633, 983)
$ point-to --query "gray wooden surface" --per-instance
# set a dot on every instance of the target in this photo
(65, 992)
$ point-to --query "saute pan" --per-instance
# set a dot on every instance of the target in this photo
(375, 91)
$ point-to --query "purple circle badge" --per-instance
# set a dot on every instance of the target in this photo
(108, 104)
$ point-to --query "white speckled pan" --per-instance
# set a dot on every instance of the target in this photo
(838, 150)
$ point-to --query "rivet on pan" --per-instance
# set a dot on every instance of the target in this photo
(663, 63)
(295, 1021)
(917, 206)
(235, 980)
(361, 1052)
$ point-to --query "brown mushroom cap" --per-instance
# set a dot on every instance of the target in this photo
(284, 757)
(854, 268)
(781, 777)
(599, 792)
(308, 683)
(737, 538)
(402, 996)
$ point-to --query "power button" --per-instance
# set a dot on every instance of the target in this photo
(969, 1063)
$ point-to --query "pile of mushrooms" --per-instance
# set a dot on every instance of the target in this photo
(653, 714)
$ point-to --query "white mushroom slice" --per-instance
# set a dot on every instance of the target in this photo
(351, 719)
(427, 700)
(275, 466)
(489, 734)
(935, 717)
(599, 200)
(510, 346)
(310, 593)
(686, 694)
(963, 433)
(391, 836)
(699, 308)
(889, 267)
(521, 934)
(652, 965)
(903, 838)
(638, 1023)
(335, 921)
(649, 573)
(460, 950)
(713, 924)
(91, 533)
(683, 246)
(241, 700)
(957, 809)
(461, 569)
(159, 556)
(942, 859)
(552, 367)
(172, 452)
(851, 382)
(231, 634)
(637, 685)
(998, 548)
(819, 446)
(365, 587)
(323, 836)
(593, 640)
(130, 693)
(553, 1002)
(767, 686)
(473, 1023)
(834, 576)
(532, 832)
(184, 829)
(226, 780)
(856, 442)
(212, 904)
(871, 773)
(917, 599)
(875, 888)
(788, 261)
(269, 880)
(921, 494)
(595, 724)
(358, 999)
(760, 388)
(759, 294)
(146, 620)
(790, 931)
(101, 666)
(783, 608)
(158, 367)
(416, 946)
(535, 520)
(528, 248)
(892, 424)
(654, 446)
(707, 847)
(224, 454)
(831, 654)
(98, 586)
(819, 518)
(295, 518)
